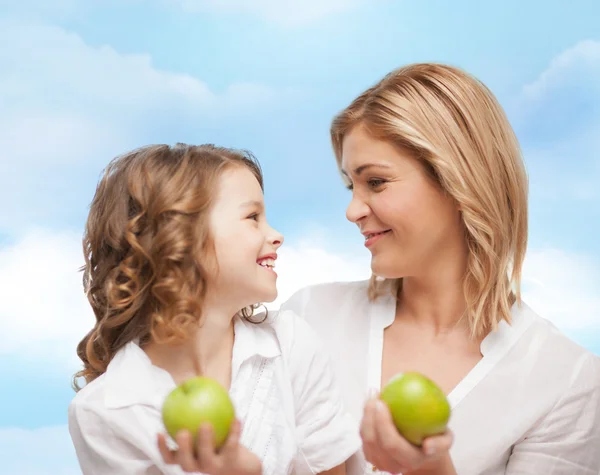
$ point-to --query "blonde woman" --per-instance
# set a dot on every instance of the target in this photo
(439, 193)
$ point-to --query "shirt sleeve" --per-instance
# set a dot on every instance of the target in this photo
(110, 445)
(327, 435)
(567, 440)
(296, 302)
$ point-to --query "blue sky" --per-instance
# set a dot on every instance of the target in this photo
(82, 81)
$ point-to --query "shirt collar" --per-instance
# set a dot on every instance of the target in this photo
(254, 339)
(131, 378)
(383, 311)
(507, 334)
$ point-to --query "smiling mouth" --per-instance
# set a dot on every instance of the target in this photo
(372, 235)
(267, 263)
(372, 238)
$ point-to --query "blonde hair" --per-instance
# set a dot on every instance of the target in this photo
(455, 127)
(146, 246)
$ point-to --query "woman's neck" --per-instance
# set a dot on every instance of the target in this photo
(439, 308)
(436, 298)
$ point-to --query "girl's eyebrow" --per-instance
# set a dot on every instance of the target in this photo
(252, 203)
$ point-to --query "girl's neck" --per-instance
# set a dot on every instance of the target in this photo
(208, 352)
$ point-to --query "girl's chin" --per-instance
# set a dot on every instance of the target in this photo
(267, 297)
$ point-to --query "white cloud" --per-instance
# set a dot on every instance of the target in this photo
(69, 107)
(558, 116)
(73, 97)
(43, 451)
(563, 287)
(308, 264)
(287, 13)
(43, 310)
(574, 64)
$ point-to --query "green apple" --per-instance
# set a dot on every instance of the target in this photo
(196, 401)
(419, 407)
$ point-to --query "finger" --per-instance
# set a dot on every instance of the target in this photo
(206, 448)
(233, 439)
(437, 444)
(367, 425)
(167, 454)
(369, 436)
(402, 455)
(184, 455)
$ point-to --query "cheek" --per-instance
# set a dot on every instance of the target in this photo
(415, 213)
(440, 221)
(226, 249)
(401, 211)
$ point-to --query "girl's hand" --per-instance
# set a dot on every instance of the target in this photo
(388, 451)
(231, 459)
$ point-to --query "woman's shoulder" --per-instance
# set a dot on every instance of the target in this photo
(327, 296)
(563, 359)
(551, 334)
(289, 329)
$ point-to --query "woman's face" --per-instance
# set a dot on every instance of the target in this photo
(410, 225)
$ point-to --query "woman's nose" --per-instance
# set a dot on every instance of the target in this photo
(357, 209)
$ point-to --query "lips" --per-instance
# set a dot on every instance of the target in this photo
(373, 234)
(267, 261)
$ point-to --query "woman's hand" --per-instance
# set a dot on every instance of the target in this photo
(231, 459)
(388, 451)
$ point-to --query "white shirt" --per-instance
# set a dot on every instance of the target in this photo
(530, 406)
(282, 388)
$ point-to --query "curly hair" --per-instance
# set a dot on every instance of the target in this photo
(146, 245)
(453, 124)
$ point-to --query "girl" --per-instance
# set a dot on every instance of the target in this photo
(177, 253)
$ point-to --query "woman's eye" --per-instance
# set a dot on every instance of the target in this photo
(350, 186)
(253, 216)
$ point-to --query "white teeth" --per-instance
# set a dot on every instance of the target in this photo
(270, 263)
(369, 236)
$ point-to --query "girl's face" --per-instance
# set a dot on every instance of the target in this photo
(409, 224)
(245, 245)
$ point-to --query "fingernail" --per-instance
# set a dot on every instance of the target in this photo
(380, 405)
(430, 450)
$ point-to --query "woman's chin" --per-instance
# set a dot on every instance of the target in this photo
(385, 273)
(382, 271)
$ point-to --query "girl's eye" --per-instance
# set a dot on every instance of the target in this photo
(350, 186)
(253, 216)
(375, 182)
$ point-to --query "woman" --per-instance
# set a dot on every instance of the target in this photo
(439, 192)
